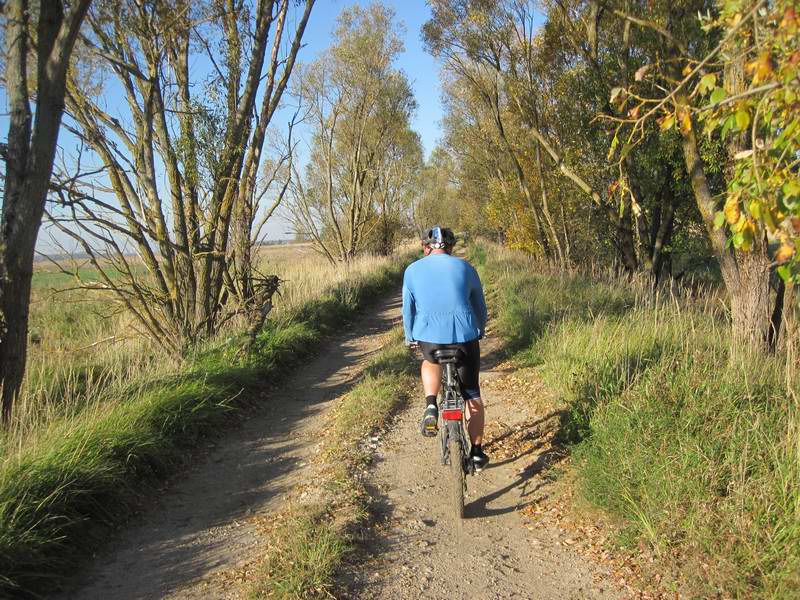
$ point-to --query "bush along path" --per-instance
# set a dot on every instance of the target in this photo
(682, 476)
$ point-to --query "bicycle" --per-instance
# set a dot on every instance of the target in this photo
(455, 449)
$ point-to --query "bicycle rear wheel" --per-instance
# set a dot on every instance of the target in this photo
(456, 451)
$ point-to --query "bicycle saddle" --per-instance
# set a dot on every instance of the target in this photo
(448, 355)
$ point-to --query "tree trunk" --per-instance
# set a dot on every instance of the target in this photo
(645, 246)
(29, 166)
(746, 274)
(625, 242)
(751, 305)
(546, 207)
(663, 234)
(790, 342)
(567, 243)
(777, 315)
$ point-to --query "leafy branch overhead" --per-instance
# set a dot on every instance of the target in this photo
(744, 91)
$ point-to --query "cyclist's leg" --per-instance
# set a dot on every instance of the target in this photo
(469, 374)
(431, 373)
(475, 420)
(431, 378)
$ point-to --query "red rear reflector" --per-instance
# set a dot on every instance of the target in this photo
(453, 414)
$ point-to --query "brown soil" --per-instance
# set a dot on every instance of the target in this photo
(207, 530)
(421, 550)
(206, 523)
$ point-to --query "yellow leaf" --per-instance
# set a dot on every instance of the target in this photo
(747, 242)
(785, 252)
(761, 67)
(667, 122)
(742, 118)
(769, 219)
(732, 210)
(686, 70)
(708, 82)
(686, 121)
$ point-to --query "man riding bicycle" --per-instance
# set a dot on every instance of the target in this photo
(443, 305)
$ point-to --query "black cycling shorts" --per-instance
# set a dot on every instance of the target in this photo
(468, 371)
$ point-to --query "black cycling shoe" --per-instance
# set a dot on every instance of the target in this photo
(430, 421)
(479, 458)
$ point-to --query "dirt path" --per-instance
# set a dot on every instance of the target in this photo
(420, 551)
(206, 523)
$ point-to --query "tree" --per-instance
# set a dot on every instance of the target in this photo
(44, 41)
(397, 185)
(437, 200)
(760, 112)
(178, 175)
(493, 48)
(363, 153)
(722, 70)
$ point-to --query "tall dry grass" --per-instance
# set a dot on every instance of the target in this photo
(85, 351)
(695, 448)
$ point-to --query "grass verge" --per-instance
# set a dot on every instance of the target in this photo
(697, 454)
(311, 542)
(62, 490)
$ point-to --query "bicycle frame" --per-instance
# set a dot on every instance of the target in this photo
(452, 411)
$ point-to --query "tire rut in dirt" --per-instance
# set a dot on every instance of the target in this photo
(419, 549)
(207, 522)
(457, 483)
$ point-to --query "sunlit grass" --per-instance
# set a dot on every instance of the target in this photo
(310, 542)
(98, 423)
(699, 453)
(84, 349)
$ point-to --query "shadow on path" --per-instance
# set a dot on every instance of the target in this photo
(526, 438)
(203, 522)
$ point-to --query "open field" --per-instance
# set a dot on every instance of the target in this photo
(84, 345)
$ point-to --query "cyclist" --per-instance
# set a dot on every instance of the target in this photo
(443, 305)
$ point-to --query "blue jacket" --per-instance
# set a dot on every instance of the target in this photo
(442, 301)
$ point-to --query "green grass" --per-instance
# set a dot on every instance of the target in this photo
(85, 348)
(304, 560)
(310, 543)
(698, 455)
(62, 488)
(51, 277)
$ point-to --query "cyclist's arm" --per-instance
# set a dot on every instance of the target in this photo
(478, 301)
(408, 311)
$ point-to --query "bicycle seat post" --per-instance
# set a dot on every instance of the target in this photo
(449, 373)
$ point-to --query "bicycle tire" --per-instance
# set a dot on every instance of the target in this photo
(457, 482)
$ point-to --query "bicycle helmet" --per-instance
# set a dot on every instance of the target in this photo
(439, 238)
